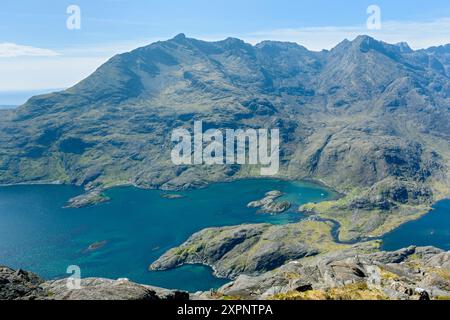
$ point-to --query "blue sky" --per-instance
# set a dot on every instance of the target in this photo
(38, 52)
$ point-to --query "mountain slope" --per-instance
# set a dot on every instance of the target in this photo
(367, 118)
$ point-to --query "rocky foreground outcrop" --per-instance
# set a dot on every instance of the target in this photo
(409, 273)
(23, 285)
(19, 284)
(356, 272)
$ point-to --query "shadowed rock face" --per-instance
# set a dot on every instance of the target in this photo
(23, 285)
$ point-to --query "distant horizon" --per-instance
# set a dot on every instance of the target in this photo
(15, 98)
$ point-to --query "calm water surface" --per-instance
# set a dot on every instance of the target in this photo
(37, 234)
(433, 229)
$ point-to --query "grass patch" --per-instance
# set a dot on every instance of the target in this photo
(357, 291)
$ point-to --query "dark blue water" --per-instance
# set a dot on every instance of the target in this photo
(433, 229)
(37, 234)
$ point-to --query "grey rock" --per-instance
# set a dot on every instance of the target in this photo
(19, 285)
(244, 249)
(97, 245)
(106, 289)
(276, 207)
(393, 274)
(269, 204)
(23, 285)
(172, 196)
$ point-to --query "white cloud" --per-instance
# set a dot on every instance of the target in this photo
(417, 34)
(60, 69)
(29, 68)
(10, 50)
(37, 73)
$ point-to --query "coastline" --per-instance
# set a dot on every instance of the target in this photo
(314, 182)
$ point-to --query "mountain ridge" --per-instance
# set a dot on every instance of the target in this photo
(367, 118)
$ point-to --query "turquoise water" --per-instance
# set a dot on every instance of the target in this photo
(433, 229)
(37, 234)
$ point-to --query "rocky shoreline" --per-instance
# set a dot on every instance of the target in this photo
(268, 204)
(88, 199)
(250, 248)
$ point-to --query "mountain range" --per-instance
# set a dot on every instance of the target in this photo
(366, 118)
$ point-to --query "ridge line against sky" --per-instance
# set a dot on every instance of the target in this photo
(33, 68)
(41, 60)
(419, 35)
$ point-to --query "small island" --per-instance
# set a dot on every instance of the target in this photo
(88, 199)
(269, 205)
(96, 245)
(172, 196)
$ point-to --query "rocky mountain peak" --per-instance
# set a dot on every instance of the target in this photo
(366, 43)
(179, 37)
(404, 47)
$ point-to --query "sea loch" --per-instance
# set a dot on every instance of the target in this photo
(119, 239)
